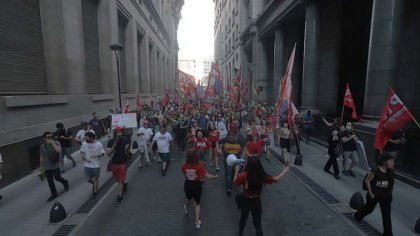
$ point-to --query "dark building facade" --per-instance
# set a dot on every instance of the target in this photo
(56, 65)
(371, 44)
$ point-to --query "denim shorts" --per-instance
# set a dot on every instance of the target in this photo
(65, 152)
(164, 157)
(92, 172)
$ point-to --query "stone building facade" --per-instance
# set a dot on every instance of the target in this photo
(56, 65)
(371, 44)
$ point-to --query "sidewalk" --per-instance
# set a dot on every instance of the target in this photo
(24, 209)
(405, 205)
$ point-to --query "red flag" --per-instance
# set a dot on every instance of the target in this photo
(139, 103)
(348, 102)
(394, 116)
(126, 105)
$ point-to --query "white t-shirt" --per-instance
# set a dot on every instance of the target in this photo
(162, 141)
(81, 133)
(92, 151)
(221, 126)
(146, 131)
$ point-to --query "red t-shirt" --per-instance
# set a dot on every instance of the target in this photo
(241, 180)
(233, 127)
(254, 147)
(214, 136)
(193, 172)
(200, 144)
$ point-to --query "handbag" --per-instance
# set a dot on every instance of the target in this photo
(109, 165)
(239, 199)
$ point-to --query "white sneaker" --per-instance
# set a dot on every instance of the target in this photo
(185, 209)
(198, 225)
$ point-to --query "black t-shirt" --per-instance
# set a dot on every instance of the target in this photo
(334, 137)
(120, 156)
(350, 145)
(383, 183)
(96, 125)
(65, 143)
(392, 147)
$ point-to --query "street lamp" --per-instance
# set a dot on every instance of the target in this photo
(116, 47)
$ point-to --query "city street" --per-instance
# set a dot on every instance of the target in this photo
(153, 204)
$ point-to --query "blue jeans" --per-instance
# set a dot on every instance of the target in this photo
(228, 174)
(66, 152)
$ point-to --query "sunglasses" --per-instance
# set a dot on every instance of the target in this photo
(49, 137)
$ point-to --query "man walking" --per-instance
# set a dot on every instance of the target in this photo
(80, 136)
(117, 148)
(49, 154)
(221, 126)
(308, 122)
(145, 134)
(91, 150)
(163, 140)
(349, 139)
(333, 142)
(64, 136)
(96, 125)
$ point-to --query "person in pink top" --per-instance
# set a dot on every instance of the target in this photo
(253, 179)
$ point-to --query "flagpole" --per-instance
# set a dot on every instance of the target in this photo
(414, 119)
(342, 114)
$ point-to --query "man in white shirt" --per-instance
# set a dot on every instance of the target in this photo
(91, 150)
(163, 140)
(80, 136)
(221, 126)
(145, 133)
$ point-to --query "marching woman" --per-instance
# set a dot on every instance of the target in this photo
(233, 126)
(249, 129)
(254, 147)
(265, 131)
(194, 173)
(201, 146)
(214, 136)
(379, 184)
(285, 142)
(252, 179)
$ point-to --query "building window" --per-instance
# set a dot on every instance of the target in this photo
(91, 45)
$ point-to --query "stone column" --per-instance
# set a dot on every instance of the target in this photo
(381, 71)
(279, 66)
(145, 65)
(132, 70)
(153, 70)
(62, 33)
(261, 79)
(310, 64)
(108, 34)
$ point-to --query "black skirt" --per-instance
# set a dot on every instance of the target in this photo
(285, 143)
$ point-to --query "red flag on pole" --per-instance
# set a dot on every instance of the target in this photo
(126, 105)
(348, 102)
(394, 116)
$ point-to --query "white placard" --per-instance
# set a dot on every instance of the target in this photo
(126, 120)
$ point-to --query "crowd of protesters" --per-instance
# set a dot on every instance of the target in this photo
(208, 136)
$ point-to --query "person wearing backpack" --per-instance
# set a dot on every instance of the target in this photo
(379, 184)
(49, 156)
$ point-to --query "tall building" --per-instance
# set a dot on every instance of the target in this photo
(56, 65)
(227, 30)
(206, 70)
(188, 66)
(371, 44)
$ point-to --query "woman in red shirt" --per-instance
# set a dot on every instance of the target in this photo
(214, 136)
(253, 178)
(255, 146)
(194, 172)
(264, 131)
(233, 126)
(201, 145)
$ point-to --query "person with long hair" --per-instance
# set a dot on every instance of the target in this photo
(194, 172)
(214, 136)
(253, 179)
(379, 184)
(285, 142)
(254, 147)
(264, 132)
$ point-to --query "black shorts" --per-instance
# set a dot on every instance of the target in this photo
(192, 189)
(154, 147)
(285, 143)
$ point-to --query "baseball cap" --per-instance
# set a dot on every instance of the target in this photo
(118, 129)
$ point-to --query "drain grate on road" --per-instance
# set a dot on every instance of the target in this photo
(64, 230)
